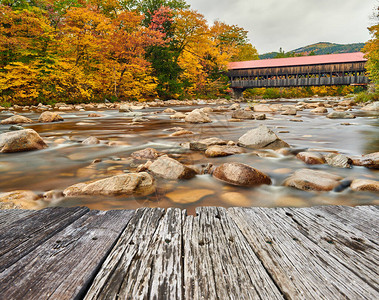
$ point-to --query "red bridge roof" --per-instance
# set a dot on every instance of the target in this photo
(299, 61)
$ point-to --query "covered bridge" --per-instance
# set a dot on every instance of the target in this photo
(317, 70)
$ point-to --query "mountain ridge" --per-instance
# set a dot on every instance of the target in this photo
(319, 48)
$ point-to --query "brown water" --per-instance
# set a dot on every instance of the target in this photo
(67, 161)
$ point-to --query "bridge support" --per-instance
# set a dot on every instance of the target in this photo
(237, 93)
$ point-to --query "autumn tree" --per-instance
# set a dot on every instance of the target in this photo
(372, 52)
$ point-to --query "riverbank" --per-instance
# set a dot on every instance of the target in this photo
(100, 142)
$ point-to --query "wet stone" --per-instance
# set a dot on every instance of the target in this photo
(365, 185)
(240, 175)
(338, 160)
(219, 150)
(21, 140)
(169, 168)
(202, 145)
(48, 116)
(312, 180)
(16, 119)
(311, 158)
(261, 137)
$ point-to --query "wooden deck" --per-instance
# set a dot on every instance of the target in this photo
(326, 252)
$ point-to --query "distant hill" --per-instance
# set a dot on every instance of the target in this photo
(317, 49)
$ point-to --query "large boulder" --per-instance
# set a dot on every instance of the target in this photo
(240, 174)
(126, 184)
(312, 180)
(21, 140)
(16, 119)
(169, 168)
(49, 116)
(197, 116)
(202, 145)
(261, 137)
(223, 150)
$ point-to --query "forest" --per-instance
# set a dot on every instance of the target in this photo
(96, 50)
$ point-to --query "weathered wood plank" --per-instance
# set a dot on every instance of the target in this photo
(218, 261)
(342, 241)
(63, 266)
(301, 268)
(20, 238)
(117, 278)
(361, 217)
(8, 216)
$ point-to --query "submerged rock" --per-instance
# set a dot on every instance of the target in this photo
(185, 196)
(170, 168)
(205, 143)
(219, 150)
(132, 183)
(48, 116)
(181, 132)
(365, 185)
(261, 137)
(16, 119)
(197, 116)
(21, 140)
(240, 174)
(312, 180)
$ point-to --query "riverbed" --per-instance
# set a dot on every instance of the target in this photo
(67, 161)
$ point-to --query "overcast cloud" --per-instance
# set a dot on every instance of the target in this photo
(291, 24)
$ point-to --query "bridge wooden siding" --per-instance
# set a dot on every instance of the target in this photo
(338, 69)
(326, 252)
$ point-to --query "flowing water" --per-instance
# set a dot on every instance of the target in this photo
(67, 161)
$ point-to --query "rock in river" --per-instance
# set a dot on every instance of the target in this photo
(312, 180)
(19, 199)
(21, 140)
(340, 115)
(16, 119)
(261, 137)
(365, 185)
(145, 154)
(338, 160)
(133, 183)
(369, 161)
(185, 195)
(205, 143)
(170, 168)
(219, 150)
(197, 116)
(49, 116)
(240, 174)
(311, 158)
(242, 114)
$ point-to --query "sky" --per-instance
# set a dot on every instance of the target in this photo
(291, 24)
